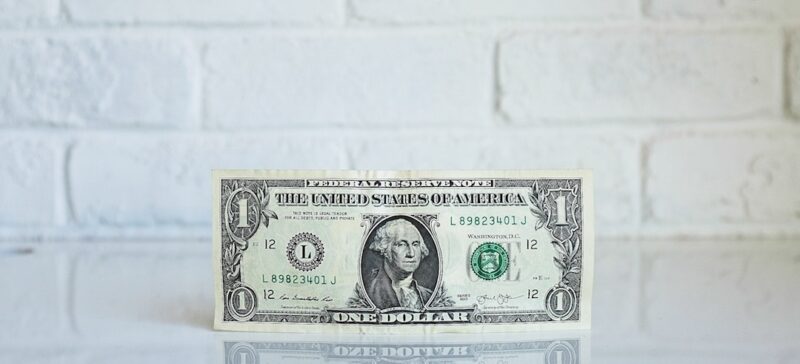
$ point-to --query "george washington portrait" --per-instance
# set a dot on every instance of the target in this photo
(400, 271)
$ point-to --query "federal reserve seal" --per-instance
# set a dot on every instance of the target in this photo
(305, 251)
(489, 261)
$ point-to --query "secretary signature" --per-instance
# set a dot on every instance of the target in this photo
(500, 299)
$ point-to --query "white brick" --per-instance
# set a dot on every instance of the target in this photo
(362, 80)
(715, 9)
(97, 82)
(631, 74)
(17, 12)
(723, 292)
(32, 300)
(612, 157)
(162, 180)
(431, 11)
(724, 179)
(27, 182)
(206, 11)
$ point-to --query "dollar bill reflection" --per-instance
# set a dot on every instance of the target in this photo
(561, 351)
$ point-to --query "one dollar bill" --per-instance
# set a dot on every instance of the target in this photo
(402, 251)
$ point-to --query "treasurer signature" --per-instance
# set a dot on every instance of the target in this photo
(306, 298)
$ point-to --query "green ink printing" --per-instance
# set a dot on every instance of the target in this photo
(489, 261)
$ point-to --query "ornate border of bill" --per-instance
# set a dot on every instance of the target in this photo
(401, 284)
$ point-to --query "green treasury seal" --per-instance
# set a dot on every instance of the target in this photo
(489, 261)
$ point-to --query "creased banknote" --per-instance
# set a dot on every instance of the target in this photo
(402, 251)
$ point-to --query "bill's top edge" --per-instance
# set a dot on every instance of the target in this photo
(300, 173)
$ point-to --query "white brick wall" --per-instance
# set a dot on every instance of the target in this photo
(205, 12)
(361, 79)
(724, 178)
(27, 12)
(113, 113)
(715, 9)
(472, 11)
(28, 169)
(636, 74)
(98, 81)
